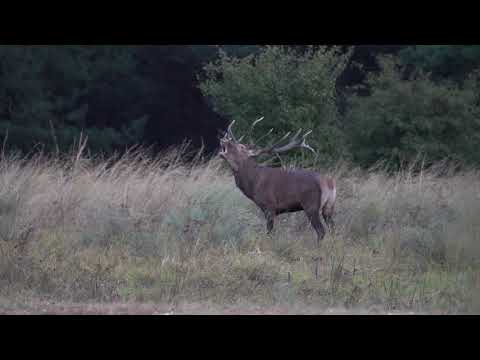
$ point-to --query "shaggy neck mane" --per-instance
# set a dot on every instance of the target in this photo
(247, 175)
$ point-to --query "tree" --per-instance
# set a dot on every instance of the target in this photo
(290, 89)
(405, 116)
(443, 61)
(43, 92)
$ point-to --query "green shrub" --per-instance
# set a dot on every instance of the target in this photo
(404, 116)
(290, 89)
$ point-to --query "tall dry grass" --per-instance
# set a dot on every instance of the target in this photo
(142, 228)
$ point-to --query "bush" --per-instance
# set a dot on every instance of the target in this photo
(291, 89)
(405, 115)
(444, 61)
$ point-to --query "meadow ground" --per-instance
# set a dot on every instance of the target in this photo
(152, 235)
(46, 308)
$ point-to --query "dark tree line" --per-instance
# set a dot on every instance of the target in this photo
(124, 95)
(117, 95)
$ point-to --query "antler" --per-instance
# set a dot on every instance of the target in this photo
(251, 128)
(229, 134)
(295, 142)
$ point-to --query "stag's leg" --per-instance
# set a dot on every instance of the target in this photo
(327, 213)
(314, 217)
(269, 216)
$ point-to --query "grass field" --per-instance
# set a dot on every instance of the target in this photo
(142, 230)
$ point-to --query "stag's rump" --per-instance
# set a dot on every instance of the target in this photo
(328, 188)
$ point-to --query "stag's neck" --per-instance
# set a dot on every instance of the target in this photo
(246, 177)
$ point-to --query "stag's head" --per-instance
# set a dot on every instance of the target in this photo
(232, 150)
(235, 152)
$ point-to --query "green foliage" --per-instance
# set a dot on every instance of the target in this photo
(240, 51)
(444, 61)
(403, 117)
(43, 93)
(291, 89)
(207, 53)
(118, 96)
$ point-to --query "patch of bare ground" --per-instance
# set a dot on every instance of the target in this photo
(186, 309)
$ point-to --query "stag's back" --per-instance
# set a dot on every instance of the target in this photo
(286, 190)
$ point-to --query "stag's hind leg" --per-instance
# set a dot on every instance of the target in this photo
(314, 217)
(327, 213)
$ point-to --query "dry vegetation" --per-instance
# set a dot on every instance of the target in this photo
(144, 230)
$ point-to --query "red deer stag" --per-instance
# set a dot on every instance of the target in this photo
(276, 190)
